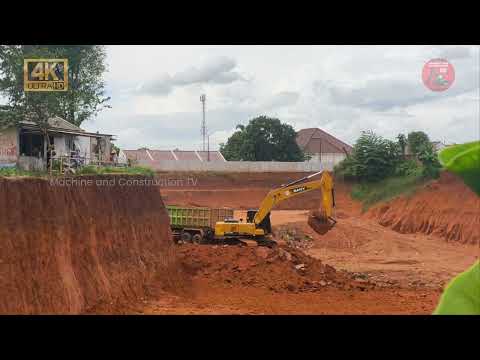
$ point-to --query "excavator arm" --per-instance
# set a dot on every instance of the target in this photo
(275, 196)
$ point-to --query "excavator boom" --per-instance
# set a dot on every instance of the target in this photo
(325, 183)
(258, 224)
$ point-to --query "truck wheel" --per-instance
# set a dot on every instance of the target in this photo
(197, 239)
(186, 237)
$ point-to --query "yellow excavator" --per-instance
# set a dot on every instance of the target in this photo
(257, 225)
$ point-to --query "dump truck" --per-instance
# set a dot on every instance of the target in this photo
(196, 224)
(202, 225)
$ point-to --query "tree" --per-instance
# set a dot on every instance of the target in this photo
(416, 141)
(232, 151)
(431, 164)
(83, 99)
(402, 142)
(373, 158)
(263, 139)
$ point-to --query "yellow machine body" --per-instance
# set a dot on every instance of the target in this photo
(253, 228)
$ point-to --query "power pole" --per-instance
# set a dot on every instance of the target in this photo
(208, 147)
(320, 153)
(203, 98)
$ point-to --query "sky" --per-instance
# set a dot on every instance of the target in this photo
(343, 90)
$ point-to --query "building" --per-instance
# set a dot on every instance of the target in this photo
(24, 145)
(321, 145)
(145, 154)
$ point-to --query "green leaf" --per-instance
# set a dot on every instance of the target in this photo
(463, 160)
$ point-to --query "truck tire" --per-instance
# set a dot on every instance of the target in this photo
(186, 237)
(197, 239)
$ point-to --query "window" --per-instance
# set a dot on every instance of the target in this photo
(31, 143)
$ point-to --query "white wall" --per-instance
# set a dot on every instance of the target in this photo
(59, 143)
(238, 166)
(83, 144)
(122, 157)
(329, 157)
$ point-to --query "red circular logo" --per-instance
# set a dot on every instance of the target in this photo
(438, 74)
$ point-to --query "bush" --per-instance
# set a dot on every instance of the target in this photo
(429, 159)
(373, 158)
(345, 169)
(407, 167)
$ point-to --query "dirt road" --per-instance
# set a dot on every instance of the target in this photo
(361, 245)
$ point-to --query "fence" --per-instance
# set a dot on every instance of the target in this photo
(238, 166)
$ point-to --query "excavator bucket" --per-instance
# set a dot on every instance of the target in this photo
(320, 222)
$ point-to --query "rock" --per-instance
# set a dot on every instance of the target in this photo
(291, 287)
(263, 252)
(360, 276)
(285, 255)
(300, 267)
(330, 269)
(361, 280)
(323, 283)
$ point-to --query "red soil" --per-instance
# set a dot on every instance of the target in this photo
(240, 191)
(446, 208)
(65, 249)
(109, 250)
(252, 280)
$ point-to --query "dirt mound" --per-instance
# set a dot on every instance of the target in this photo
(67, 248)
(446, 208)
(279, 270)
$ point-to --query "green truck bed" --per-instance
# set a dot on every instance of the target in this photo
(196, 217)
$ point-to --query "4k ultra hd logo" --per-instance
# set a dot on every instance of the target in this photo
(45, 75)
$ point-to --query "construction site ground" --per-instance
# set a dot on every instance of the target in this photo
(359, 267)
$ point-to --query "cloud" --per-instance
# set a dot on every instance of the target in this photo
(218, 71)
(163, 85)
(282, 99)
(388, 93)
(341, 89)
(454, 53)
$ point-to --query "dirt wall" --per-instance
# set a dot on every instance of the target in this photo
(239, 191)
(64, 249)
(445, 207)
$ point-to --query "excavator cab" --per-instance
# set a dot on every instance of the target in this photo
(265, 224)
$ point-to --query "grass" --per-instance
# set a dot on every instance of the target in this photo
(100, 170)
(14, 172)
(86, 170)
(387, 189)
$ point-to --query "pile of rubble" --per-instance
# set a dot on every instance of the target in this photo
(294, 237)
(279, 269)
